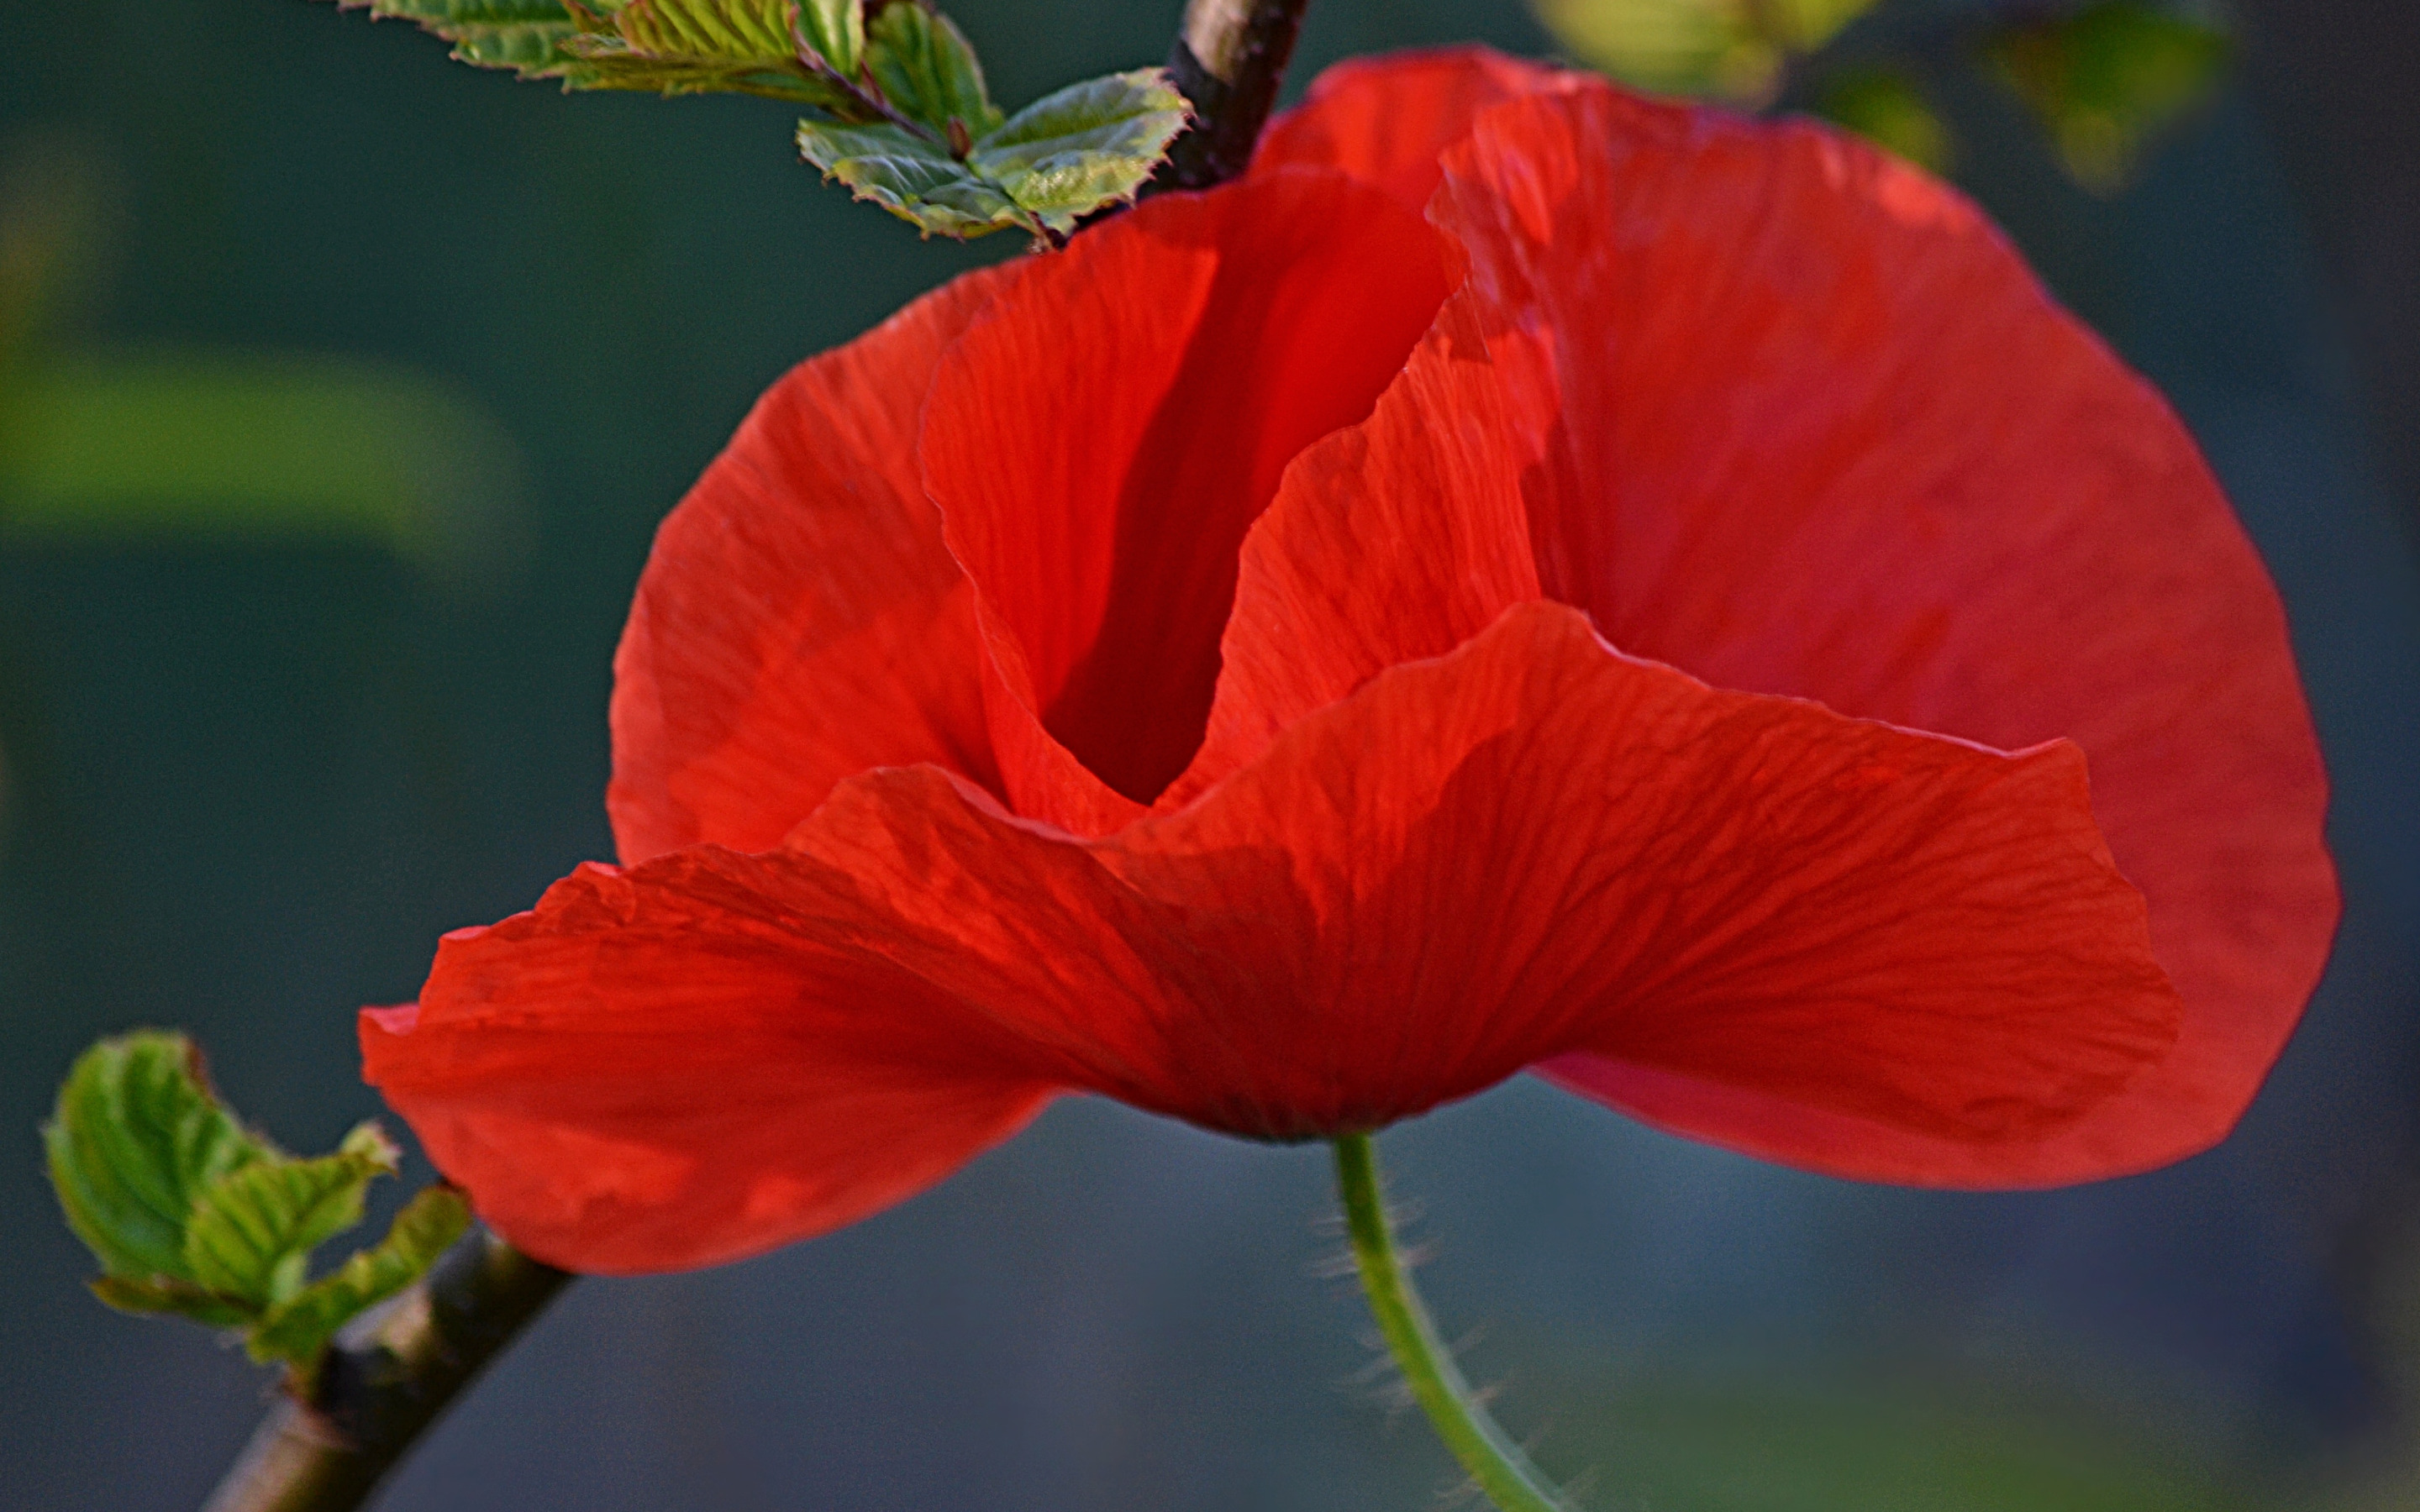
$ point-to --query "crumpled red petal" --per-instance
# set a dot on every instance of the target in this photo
(1390, 541)
(1100, 443)
(799, 619)
(1564, 848)
(688, 1063)
(1824, 436)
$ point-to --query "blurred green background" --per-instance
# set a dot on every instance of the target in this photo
(340, 390)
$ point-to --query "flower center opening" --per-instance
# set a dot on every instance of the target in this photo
(1307, 319)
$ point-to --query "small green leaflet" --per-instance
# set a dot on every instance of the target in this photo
(250, 1231)
(294, 1330)
(911, 177)
(690, 47)
(167, 1294)
(1043, 169)
(135, 1139)
(926, 69)
(673, 47)
(522, 35)
(189, 1212)
(836, 29)
(1068, 154)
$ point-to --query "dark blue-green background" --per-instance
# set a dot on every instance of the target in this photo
(251, 777)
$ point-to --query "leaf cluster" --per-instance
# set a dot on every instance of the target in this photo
(190, 1212)
(2103, 77)
(1736, 49)
(897, 106)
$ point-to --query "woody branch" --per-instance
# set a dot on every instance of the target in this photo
(385, 1379)
(1229, 60)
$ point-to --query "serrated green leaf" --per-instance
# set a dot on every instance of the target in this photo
(2106, 79)
(525, 36)
(1069, 153)
(686, 47)
(253, 1229)
(913, 178)
(1885, 107)
(836, 30)
(924, 67)
(161, 1294)
(691, 76)
(720, 29)
(670, 47)
(137, 1135)
(296, 1329)
(1051, 163)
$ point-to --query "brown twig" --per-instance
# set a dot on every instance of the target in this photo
(386, 1379)
(1228, 61)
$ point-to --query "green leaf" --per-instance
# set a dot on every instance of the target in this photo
(671, 47)
(136, 1137)
(1885, 106)
(191, 1215)
(836, 30)
(522, 35)
(925, 69)
(2107, 79)
(296, 1329)
(903, 115)
(251, 1231)
(161, 1294)
(686, 47)
(1734, 48)
(723, 30)
(1043, 169)
(911, 177)
(1068, 154)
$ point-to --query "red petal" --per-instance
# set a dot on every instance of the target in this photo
(1533, 845)
(799, 619)
(687, 1064)
(1102, 440)
(1386, 121)
(1526, 847)
(1391, 541)
(1536, 844)
(1824, 435)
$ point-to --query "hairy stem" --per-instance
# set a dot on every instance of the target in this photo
(1496, 1465)
(1228, 61)
(386, 1378)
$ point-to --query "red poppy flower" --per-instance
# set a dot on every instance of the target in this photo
(1529, 578)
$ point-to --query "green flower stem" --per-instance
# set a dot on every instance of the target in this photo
(1495, 1463)
(386, 1378)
